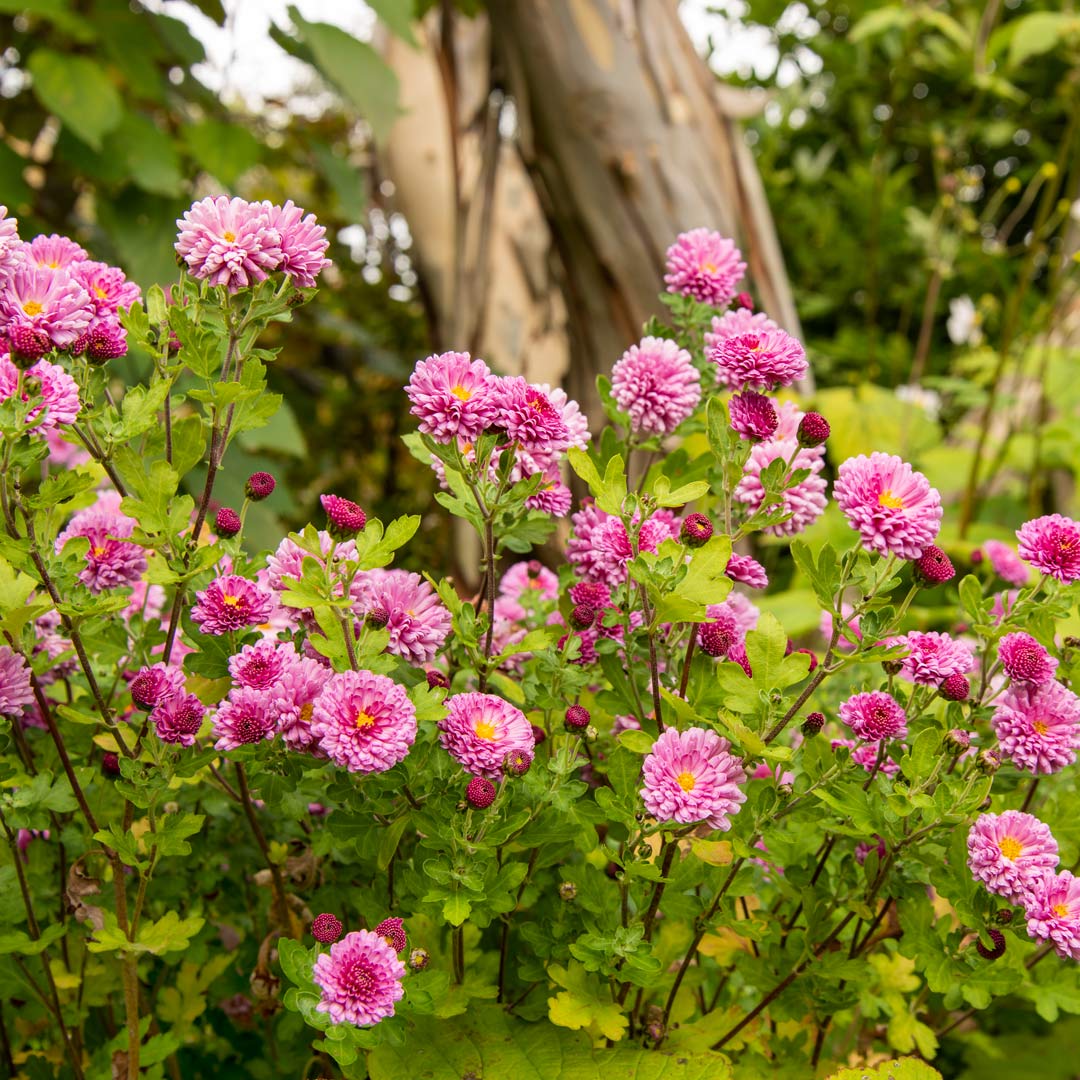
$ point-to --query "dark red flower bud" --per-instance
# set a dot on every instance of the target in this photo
(933, 568)
(577, 718)
(998, 938)
(259, 486)
(344, 519)
(696, 530)
(715, 639)
(437, 679)
(955, 688)
(582, 617)
(227, 522)
(326, 928)
(813, 430)
(480, 793)
(813, 723)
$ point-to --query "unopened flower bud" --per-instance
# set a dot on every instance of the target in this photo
(813, 430)
(480, 793)
(745, 301)
(933, 568)
(696, 530)
(988, 761)
(437, 680)
(567, 891)
(958, 740)
(326, 928)
(715, 639)
(539, 734)
(577, 718)
(582, 617)
(419, 959)
(813, 724)
(655, 1031)
(227, 522)
(110, 763)
(955, 688)
(259, 485)
(591, 734)
(1004, 916)
(517, 763)
(892, 667)
(392, 931)
(998, 950)
(27, 344)
(344, 519)
(377, 617)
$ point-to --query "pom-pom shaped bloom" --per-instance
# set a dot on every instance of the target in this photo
(934, 657)
(258, 666)
(364, 722)
(416, 620)
(230, 603)
(1052, 545)
(749, 571)
(1010, 853)
(1053, 913)
(480, 730)
(696, 530)
(577, 718)
(53, 252)
(600, 547)
(259, 486)
(955, 688)
(753, 415)
(529, 578)
(1006, 563)
(933, 567)
(656, 385)
(326, 928)
(247, 717)
(293, 695)
(155, 684)
(453, 396)
(692, 776)
(1038, 727)
(716, 638)
(813, 724)
(228, 242)
(15, 689)
(597, 596)
(177, 719)
(112, 560)
(50, 301)
(105, 340)
(227, 522)
(344, 518)
(12, 250)
(759, 360)
(392, 931)
(529, 417)
(874, 715)
(734, 323)
(107, 287)
(705, 266)
(552, 497)
(54, 391)
(866, 755)
(301, 240)
(892, 507)
(1025, 660)
(480, 793)
(360, 978)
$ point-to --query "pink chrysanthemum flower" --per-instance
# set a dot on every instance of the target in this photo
(480, 730)
(1025, 660)
(417, 622)
(53, 252)
(592, 593)
(112, 560)
(529, 417)
(63, 454)
(288, 560)
(246, 717)
(50, 385)
(230, 603)
(731, 324)
(453, 396)
(302, 241)
(934, 657)
(1052, 545)
(228, 242)
(705, 266)
(529, 578)
(760, 360)
(12, 249)
(1010, 852)
(260, 665)
(743, 614)
(360, 978)
(805, 502)
(293, 698)
(155, 684)
(599, 547)
(577, 423)
(1053, 913)
(1006, 563)
(177, 719)
(892, 507)
(1003, 605)
(852, 624)
(15, 689)
(553, 496)
(51, 301)
(748, 571)
(107, 286)
(874, 716)
(753, 415)
(656, 385)
(865, 754)
(147, 601)
(692, 776)
(364, 722)
(1038, 727)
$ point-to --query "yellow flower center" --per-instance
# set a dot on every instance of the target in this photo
(232, 601)
(229, 237)
(364, 720)
(686, 781)
(306, 711)
(708, 267)
(461, 393)
(32, 307)
(484, 729)
(1061, 910)
(888, 499)
(100, 292)
(1010, 847)
(1041, 727)
(98, 552)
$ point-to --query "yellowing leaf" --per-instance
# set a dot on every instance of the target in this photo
(713, 852)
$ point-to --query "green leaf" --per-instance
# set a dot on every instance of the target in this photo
(765, 646)
(1040, 32)
(456, 909)
(148, 153)
(638, 742)
(78, 91)
(388, 842)
(17, 941)
(225, 151)
(398, 16)
(899, 1069)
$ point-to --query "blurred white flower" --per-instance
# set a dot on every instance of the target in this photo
(927, 400)
(963, 323)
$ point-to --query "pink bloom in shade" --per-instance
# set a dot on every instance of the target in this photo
(1038, 727)
(1053, 913)
(874, 715)
(55, 391)
(934, 657)
(360, 978)
(302, 241)
(15, 690)
(597, 596)
(705, 266)
(529, 578)
(1006, 563)
(11, 247)
(1003, 605)
(363, 722)
(107, 286)
(529, 417)
(749, 571)
(743, 614)
(866, 755)
(260, 665)
(1010, 852)
(177, 719)
(288, 560)
(48, 300)
(753, 415)
(156, 684)
(852, 624)
(553, 497)
(230, 603)
(600, 547)
(247, 717)
(1052, 545)
(63, 454)
(480, 730)
(892, 507)
(625, 723)
(417, 622)
(509, 629)
(53, 252)
(1025, 660)
(764, 771)
(228, 242)
(759, 360)
(656, 384)
(691, 776)
(453, 396)
(293, 698)
(147, 601)
(112, 560)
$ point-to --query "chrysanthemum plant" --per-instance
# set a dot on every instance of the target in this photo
(600, 812)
